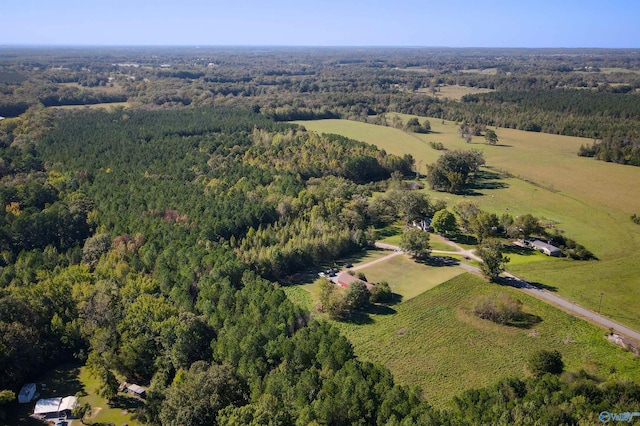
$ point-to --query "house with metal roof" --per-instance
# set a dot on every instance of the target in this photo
(545, 248)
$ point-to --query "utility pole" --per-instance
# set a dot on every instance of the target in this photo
(600, 304)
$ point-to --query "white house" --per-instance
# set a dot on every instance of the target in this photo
(55, 406)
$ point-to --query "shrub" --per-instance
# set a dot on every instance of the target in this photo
(357, 295)
(438, 146)
(502, 309)
(544, 361)
(380, 292)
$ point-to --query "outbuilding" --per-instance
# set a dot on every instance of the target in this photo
(27, 393)
(545, 248)
(136, 390)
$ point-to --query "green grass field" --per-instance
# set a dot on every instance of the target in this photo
(405, 277)
(435, 341)
(408, 278)
(118, 411)
(454, 91)
(591, 201)
(108, 106)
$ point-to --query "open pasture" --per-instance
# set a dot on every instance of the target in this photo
(106, 105)
(590, 201)
(408, 278)
(434, 340)
(454, 91)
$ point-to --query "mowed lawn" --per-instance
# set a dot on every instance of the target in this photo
(434, 340)
(590, 201)
(408, 278)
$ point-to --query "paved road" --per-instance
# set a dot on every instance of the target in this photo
(565, 304)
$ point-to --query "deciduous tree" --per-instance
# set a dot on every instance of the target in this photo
(492, 259)
(444, 222)
(545, 361)
(491, 137)
(415, 242)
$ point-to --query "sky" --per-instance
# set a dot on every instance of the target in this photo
(461, 23)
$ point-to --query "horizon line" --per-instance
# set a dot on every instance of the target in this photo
(294, 46)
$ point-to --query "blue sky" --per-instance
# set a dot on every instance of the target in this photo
(462, 23)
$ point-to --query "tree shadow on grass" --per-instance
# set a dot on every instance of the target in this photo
(357, 317)
(438, 261)
(469, 240)
(63, 380)
(514, 282)
(364, 316)
(125, 402)
(378, 309)
(485, 180)
(522, 251)
(395, 299)
(525, 321)
(388, 231)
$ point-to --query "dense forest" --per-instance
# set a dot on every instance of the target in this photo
(549, 90)
(144, 241)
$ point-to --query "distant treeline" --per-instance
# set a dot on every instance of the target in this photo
(621, 152)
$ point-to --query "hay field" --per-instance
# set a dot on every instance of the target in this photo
(454, 91)
(435, 341)
(589, 200)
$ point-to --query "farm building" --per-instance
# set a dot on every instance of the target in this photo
(545, 248)
(27, 393)
(136, 390)
(345, 280)
(55, 407)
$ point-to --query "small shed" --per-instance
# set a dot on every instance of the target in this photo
(27, 393)
(137, 390)
(545, 248)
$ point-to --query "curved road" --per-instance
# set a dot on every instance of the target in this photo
(560, 302)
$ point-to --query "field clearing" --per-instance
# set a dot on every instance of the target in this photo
(115, 88)
(589, 200)
(408, 278)
(106, 105)
(618, 70)
(484, 71)
(116, 414)
(455, 92)
(435, 341)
